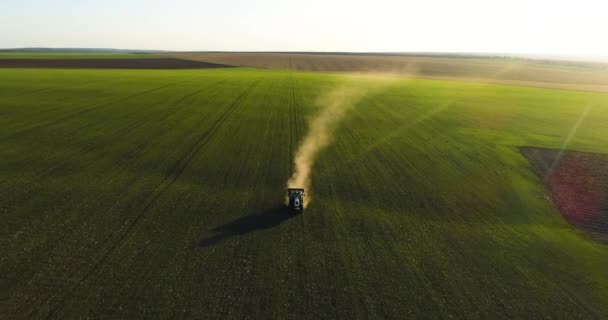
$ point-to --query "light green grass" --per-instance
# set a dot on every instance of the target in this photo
(422, 207)
(71, 55)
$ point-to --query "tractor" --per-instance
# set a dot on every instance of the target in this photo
(296, 199)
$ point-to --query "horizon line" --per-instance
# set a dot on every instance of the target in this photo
(480, 54)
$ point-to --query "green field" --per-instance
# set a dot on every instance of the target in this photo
(159, 194)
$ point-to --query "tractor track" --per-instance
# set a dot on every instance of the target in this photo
(21, 94)
(40, 90)
(55, 107)
(174, 173)
(291, 120)
(112, 138)
(140, 148)
(291, 129)
(121, 165)
(178, 101)
(179, 167)
(294, 134)
(295, 111)
(89, 109)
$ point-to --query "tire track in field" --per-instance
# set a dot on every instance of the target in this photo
(170, 111)
(112, 138)
(55, 103)
(71, 132)
(291, 133)
(175, 172)
(294, 131)
(25, 118)
(291, 118)
(305, 226)
(89, 109)
(134, 151)
(122, 166)
(40, 90)
(21, 94)
(295, 111)
(115, 136)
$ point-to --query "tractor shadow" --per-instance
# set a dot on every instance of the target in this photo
(251, 223)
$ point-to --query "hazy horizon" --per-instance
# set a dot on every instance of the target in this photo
(549, 28)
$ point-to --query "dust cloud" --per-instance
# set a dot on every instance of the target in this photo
(333, 107)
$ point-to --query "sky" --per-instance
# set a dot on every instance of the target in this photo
(512, 26)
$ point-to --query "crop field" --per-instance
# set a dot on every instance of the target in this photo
(159, 194)
(530, 73)
(107, 63)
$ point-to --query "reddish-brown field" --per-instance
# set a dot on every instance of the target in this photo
(578, 184)
(521, 72)
(156, 63)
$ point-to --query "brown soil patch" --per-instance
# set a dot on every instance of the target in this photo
(152, 63)
(577, 182)
(557, 75)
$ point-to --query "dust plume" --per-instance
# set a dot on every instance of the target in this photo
(334, 106)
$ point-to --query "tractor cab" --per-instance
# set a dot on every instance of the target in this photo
(296, 199)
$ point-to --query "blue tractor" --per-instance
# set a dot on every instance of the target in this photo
(296, 199)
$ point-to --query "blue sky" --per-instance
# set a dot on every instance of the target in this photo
(516, 26)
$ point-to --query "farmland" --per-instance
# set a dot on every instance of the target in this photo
(71, 55)
(159, 194)
(530, 73)
(577, 184)
(108, 63)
